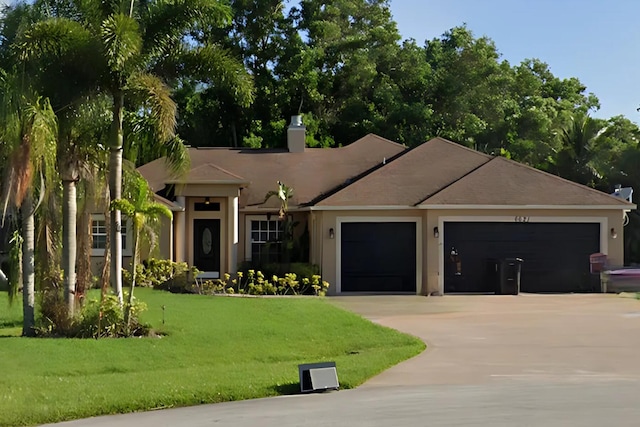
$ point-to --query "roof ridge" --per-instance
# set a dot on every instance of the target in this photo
(221, 169)
(381, 138)
(358, 177)
(491, 158)
(458, 145)
(559, 178)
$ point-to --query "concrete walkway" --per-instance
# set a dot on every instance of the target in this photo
(534, 360)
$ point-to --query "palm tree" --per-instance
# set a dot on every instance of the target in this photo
(83, 125)
(144, 215)
(136, 43)
(28, 136)
(283, 194)
(577, 157)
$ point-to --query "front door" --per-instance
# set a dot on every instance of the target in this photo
(206, 244)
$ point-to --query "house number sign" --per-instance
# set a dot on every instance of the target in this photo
(522, 219)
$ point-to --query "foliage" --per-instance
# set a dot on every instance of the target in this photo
(15, 264)
(104, 318)
(283, 194)
(256, 283)
(145, 216)
(163, 274)
(300, 269)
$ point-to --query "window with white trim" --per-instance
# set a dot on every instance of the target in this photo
(266, 236)
(99, 235)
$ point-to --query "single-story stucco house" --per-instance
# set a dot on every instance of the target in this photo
(383, 218)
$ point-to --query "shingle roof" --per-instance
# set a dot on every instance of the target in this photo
(508, 183)
(173, 207)
(209, 174)
(311, 173)
(412, 177)
(436, 173)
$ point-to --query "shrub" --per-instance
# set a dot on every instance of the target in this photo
(53, 319)
(163, 274)
(96, 319)
(300, 269)
(256, 283)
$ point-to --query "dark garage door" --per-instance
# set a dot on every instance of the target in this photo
(378, 257)
(556, 255)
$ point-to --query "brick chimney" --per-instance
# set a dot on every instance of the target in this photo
(296, 135)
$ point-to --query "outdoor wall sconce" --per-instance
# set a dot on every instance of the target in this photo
(332, 233)
(206, 201)
(613, 233)
(268, 216)
(436, 232)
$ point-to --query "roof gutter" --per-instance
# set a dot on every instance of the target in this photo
(625, 207)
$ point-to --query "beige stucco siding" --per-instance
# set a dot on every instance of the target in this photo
(430, 247)
(207, 190)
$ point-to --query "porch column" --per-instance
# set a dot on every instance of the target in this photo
(180, 235)
(171, 237)
(232, 227)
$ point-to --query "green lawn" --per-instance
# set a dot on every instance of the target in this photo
(215, 349)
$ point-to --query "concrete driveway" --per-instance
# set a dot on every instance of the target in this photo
(530, 360)
(497, 339)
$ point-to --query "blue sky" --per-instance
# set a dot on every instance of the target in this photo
(597, 41)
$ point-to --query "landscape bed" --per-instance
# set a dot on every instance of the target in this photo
(209, 349)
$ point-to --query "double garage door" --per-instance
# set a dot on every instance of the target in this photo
(555, 255)
(381, 256)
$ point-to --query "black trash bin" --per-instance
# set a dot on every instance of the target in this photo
(510, 272)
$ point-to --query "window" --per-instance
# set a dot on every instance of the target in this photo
(99, 235)
(265, 240)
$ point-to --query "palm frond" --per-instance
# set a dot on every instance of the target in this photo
(55, 37)
(155, 96)
(167, 22)
(122, 42)
(156, 210)
(94, 12)
(123, 205)
(215, 66)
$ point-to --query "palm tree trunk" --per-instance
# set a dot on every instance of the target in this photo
(83, 243)
(28, 266)
(115, 189)
(134, 264)
(69, 217)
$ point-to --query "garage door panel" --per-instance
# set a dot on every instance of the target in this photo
(556, 255)
(378, 257)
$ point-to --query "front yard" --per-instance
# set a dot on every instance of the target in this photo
(214, 349)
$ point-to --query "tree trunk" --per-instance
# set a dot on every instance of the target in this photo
(234, 134)
(134, 264)
(106, 266)
(69, 218)
(83, 243)
(28, 266)
(115, 189)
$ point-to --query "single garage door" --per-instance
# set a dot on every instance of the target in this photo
(556, 255)
(378, 257)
